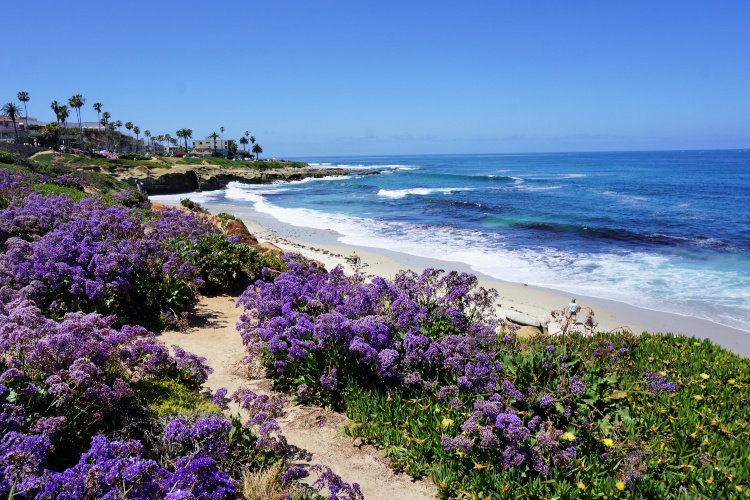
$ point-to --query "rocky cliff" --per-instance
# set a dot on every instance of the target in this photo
(189, 178)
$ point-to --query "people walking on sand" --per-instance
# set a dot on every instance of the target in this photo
(573, 309)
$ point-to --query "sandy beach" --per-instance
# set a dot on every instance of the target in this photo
(535, 301)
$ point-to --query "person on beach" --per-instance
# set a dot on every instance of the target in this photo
(572, 309)
(355, 258)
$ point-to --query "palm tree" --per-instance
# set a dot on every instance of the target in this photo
(129, 127)
(243, 141)
(214, 136)
(64, 112)
(105, 121)
(257, 149)
(55, 107)
(118, 124)
(252, 139)
(98, 108)
(188, 135)
(76, 102)
(12, 110)
(24, 98)
(136, 131)
(180, 133)
(147, 135)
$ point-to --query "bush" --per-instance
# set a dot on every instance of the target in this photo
(223, 265)
(192, 206)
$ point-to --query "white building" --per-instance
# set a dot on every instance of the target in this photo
(211, 144)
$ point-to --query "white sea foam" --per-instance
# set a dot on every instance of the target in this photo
(526, 187)
(627, 198)
(198, 197)
(397, 194)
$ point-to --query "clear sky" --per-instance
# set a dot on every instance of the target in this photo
(349, 77)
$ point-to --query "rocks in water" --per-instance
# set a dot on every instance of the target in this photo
(189, 178)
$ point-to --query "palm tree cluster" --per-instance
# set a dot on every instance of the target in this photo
(111, 130)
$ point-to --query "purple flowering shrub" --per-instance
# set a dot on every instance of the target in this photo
(88, 256)
(71, 378)
(428, 373)
(320, 327)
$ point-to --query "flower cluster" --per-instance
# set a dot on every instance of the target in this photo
(432, 333)
(89, 256)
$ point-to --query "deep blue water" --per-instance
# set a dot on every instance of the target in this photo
(663, 230)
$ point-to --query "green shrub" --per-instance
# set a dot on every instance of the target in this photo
(192, 206)
(48, 188)
(223, 216)
(223, 265)
(169, 397)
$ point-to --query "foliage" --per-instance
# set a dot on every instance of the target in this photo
(223, 264)
(430, 376)
(81, 394)
(192, 206)
(169, 397)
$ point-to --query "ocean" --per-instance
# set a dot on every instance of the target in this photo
(668, 231)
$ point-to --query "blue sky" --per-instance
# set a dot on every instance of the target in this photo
(389, 77)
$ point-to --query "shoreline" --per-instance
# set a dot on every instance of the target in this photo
(323, 246)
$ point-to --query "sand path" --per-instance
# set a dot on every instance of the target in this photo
(312, 432)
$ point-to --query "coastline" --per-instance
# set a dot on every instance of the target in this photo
(323, 246)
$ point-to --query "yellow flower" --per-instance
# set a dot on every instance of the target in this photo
(698, 397)
(663, 374)
(568, 436)
(705, 376)
(731, 381)
(620, 485)
(608, 443)
(581, 486)
(447, 421)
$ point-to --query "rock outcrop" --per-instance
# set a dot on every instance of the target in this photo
(189, 178)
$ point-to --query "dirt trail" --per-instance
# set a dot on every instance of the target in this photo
(312, 432)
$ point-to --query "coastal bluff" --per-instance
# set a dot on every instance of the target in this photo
(189, 178)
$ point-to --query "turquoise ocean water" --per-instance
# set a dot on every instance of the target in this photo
(668, 231)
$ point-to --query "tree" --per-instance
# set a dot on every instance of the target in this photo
(257, 149)
(55, 107)
(180, 133)
(98, 108)
(64, 113)
(12, 110)
(129, 127)
(188, 135)
(243, 141)
(76, 102)
(105, 121)
(24, 98)
(231, 147)
(136, 131)
(147, 135)
(118, 124)
(214, 136)
(252, 139)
